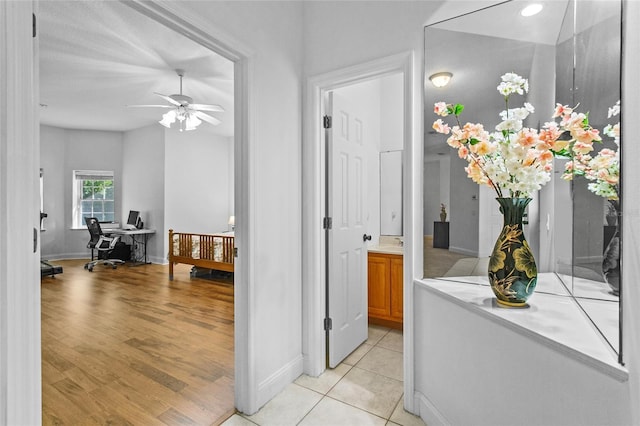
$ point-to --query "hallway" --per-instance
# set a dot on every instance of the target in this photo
(365, 389)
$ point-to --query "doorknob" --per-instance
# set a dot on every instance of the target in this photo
(366, 237)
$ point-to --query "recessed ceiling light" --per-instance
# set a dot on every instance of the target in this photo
(531, 10)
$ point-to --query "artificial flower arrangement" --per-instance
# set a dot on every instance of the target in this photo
(513, 160)
(518, 159)
(603, 169)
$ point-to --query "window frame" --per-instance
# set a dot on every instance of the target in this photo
(78, 179)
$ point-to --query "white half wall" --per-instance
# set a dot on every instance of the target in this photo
(475, 369)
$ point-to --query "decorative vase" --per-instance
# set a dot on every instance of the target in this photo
(611, 255)
(512, 267)
(443, 217)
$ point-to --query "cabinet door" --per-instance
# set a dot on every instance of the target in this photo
(396, 288)
(379, 289)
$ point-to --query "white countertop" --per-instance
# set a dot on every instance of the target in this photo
(551, 316)
(386, 249)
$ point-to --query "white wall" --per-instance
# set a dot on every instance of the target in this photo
(271, 35)
(391, 113)
(631, 209)
(143, 182)
(464, 209)
(391, 139)
(197, 186)
(62, 152)
(336, 37)
(53, 151)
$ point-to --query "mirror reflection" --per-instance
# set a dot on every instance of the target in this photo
(391, 193)
(570, 54)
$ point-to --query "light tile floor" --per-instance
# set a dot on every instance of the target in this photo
(365, 389)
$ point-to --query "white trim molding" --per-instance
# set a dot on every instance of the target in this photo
(178, 18)
(313, 262)
(20, 359)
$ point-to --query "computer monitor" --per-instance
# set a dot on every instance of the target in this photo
(132, 221)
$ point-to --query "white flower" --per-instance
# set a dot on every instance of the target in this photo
(614, 110)
(510, 125)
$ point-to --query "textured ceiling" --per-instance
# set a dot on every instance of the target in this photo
(97, 57)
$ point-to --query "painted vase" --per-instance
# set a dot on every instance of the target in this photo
(513, 274)
(611, 255)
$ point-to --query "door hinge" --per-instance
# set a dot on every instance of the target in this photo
(235, 252)
(326, 121)
(328, 324)
(34, 24)
(327, 222)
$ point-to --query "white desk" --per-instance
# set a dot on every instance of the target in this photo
(138, 237)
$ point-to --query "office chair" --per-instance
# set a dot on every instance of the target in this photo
(102, 243)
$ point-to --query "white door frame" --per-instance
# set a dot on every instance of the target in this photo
(20, 340)
(313, 160)
(192, 26)
(20, 359)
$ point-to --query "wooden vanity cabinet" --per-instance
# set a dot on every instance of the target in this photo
(385, 289)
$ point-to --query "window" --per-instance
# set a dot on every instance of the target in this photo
(93, 196)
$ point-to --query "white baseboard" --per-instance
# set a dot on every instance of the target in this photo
(589, 259)
(427, 411)
(279, 380)
(463, 251)
(72, 256)
(67, 256)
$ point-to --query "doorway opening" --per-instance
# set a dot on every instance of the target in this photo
(314, 246)
(314, 208)
(365, 131)
(228, 205)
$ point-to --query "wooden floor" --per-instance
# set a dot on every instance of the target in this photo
(128, 346)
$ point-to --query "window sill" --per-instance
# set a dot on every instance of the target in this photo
(112, 225)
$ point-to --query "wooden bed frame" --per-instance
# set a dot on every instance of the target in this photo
(215, 251)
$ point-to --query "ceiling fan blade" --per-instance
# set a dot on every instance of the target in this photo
(207, 118)
(168, 99)
(150, 106)
(203, 107)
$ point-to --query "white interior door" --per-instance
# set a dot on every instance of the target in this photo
(347, 252)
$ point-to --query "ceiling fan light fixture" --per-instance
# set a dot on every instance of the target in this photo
(182, 109)
(192, 122)
(168, 119)
(440, 79)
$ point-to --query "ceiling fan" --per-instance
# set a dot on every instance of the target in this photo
(182, 108)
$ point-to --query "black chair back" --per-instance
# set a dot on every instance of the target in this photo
(93, 225)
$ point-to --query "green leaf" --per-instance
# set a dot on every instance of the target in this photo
(563, 153)
(458, 108)
(473, 141)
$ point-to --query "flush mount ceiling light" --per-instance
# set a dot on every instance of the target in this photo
(441, 79)
(182, 108)
(532, 9)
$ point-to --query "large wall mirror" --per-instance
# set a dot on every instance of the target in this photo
(570, 52)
